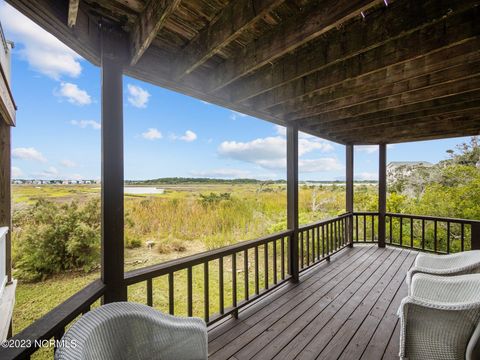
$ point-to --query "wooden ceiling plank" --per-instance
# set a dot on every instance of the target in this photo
(235, 18)
(148, 24)
(398, 73)
(449, 32)
(464, 85)
(363, 95)
(381, 26)
(288, 36)
(358, 123)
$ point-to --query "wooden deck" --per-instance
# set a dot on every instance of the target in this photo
(342, 309)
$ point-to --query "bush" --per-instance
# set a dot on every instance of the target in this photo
(50, 238)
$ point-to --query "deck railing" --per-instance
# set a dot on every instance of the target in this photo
(217, 283)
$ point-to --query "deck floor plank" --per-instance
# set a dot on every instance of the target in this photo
(343, 309)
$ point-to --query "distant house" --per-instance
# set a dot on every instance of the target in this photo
(404, 168)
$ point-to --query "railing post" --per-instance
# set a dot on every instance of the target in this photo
(5, 192)
(475, 236)
(292, 198)
(382, 193)
(113, 57)
(349, 193)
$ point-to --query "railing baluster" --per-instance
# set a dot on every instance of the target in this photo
(423, 234)
(401, 231)
(206, 299)
(323, 241)
(265, 264)
(274, 264)
(300, 237)
(373, 228)
(448, 237)
(234, 279)
(336, 234)
(221, 301)
(411, 232)
(245, 270)
(86, 310)
(171, 289)
(189, 291)
(318, 242)
(308, 247)
(356, 228)
(257, 286)
(435, 245)
(149, 292)
(364, 228)
(462, 237)
(282, 265)
(391, 230)
(57, 337)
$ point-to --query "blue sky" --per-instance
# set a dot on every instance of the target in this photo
(166, 134)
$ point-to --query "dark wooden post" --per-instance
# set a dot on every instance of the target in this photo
(292, 197)
(5, 191)
(475, 236)
(349, 193)
(113, 59)
(382, 193)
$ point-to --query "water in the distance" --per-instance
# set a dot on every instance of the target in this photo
(141, 190)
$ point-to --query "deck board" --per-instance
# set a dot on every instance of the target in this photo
(342, 309)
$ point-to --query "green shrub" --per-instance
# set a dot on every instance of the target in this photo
(51, 238)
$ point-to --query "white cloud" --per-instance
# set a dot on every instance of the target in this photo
(269, 152)
(86, 123)
(68, 163)
(234, 115)
(369, 149)
(152, 134)
(16, 172)
(319, 165)
(223, 173)
(73, 94)
(48, 173)
(44, 52)
(28, 154)
(367, 176)
(137, 96)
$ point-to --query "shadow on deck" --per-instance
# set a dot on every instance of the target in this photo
(342, 309)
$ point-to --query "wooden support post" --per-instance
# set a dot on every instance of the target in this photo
(475, 236)
(112, 167)
(5, 192)
(292, 197)
(349, 193)
(382, 193)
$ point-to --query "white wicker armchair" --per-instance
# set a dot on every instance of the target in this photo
(125, 330)
(453, 264)
(441, 318)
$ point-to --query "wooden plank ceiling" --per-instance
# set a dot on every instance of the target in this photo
(352, 71)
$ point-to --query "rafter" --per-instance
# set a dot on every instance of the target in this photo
(148, 24)
(235, 18)
(448, 32)
(290, 35)
(383, 25)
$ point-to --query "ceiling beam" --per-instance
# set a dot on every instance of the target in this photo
(72, 12)
(408, 113)
(235, 18)
(449, 32)
(411, 89)
(382, 25)
(293, 33)
(148, 24)
(417, 67)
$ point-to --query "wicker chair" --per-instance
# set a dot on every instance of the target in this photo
(453, 264)
(133, 331)
(441, 318)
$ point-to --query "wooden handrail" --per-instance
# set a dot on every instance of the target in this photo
(142, 274)
(433, 218)
(54, 322)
